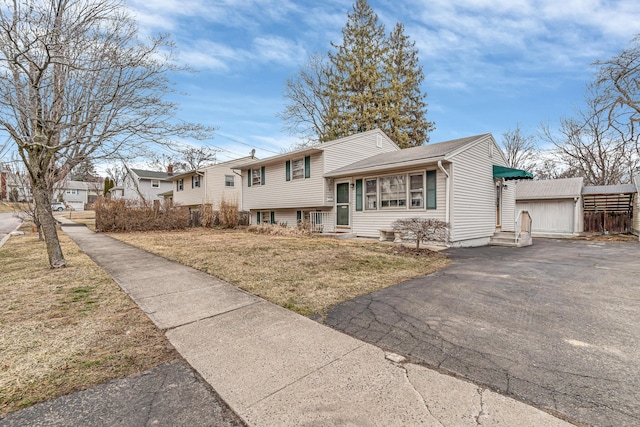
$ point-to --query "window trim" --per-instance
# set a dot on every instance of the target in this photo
(300, 169)
(398, 195)
(367, 194)
(415, 191)
(233, 181)
(154, 182)
(179, 184)
(426, 192)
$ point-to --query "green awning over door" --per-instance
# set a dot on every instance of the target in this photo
(510, 173)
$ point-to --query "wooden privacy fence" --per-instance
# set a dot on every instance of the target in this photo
(612, 222)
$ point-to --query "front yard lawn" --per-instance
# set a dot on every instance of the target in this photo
(67, 329)
(305, 274)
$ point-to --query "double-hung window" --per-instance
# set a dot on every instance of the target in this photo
(256, 177)
(416, 191)
(371, 194)
(229, 181)
(155, 183)
(195, 181)
(297, 169)
(393, 191)
(180, 184)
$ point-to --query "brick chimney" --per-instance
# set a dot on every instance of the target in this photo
(170, 170)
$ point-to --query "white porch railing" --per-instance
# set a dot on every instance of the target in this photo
(522, 224)
(322, 222)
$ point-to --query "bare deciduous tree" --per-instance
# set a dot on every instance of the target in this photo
(520, 149)
(306, 112)
(184, 159)
(76, 82)
(590, 148)
(618, 83)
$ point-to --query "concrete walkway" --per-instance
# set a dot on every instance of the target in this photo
(276, 368)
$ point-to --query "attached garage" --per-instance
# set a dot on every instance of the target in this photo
(555, 206)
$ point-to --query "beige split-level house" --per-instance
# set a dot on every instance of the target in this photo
(362, 183)
(209, 185)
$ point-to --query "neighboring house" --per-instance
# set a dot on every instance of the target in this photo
(4, 175)
(209, 185)
(77, 194)
(362, 183)
(143, 185)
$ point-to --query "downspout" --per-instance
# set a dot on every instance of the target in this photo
(446, 174)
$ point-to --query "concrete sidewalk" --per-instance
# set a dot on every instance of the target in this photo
(276, 368)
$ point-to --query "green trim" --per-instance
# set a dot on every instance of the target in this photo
(262, 174)
(249, 179)
(273, 217)
(307, 166)
(510, 173)
(358, 194)
(258, 217)
(431, 189)
(287, 167)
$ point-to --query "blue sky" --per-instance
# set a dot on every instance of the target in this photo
(488, 64)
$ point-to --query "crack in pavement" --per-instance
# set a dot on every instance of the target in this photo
(482, 413)
(422, 399)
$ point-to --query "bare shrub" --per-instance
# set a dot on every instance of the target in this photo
(209, 217)
(280, 230)
(423, 230)
(228, 213)
(126, 215)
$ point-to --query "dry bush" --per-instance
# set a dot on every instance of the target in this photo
(127, 215)
(209, 217)
(228, 213)
(423, 230)
(280, 230)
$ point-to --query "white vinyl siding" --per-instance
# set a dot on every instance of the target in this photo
(215, 183)
(356, 147)
(508, 211)
(189, 195)
(473, 215)
(366, 223)
(278, 193)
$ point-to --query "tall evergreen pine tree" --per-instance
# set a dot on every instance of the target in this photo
(405, 120)
(356, 83)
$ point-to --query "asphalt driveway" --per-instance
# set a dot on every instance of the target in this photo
(556, 324)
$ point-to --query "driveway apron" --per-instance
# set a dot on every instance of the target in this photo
(555, 324)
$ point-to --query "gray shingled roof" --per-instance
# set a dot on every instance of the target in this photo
(151, 174)
(549, 189)
(405, 157)
(609, 189)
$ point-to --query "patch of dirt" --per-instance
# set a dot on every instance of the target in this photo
(422, 252)
(608, 237)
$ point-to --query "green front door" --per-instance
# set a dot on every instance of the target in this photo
(342, 204)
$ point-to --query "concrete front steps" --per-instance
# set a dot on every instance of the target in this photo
(508, 238)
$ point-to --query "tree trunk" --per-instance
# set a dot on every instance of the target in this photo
(48, 225)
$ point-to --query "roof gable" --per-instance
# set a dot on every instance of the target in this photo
(409, 156)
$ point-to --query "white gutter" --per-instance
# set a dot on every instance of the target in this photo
(446, 174)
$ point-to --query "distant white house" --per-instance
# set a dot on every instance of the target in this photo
(143, 186)
(77, 194)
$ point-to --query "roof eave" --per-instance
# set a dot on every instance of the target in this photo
(384, 168)
(279, 157)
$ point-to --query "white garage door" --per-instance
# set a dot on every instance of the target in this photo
(554, 216)
(77, 206)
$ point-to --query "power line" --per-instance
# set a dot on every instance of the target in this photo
(248, 145)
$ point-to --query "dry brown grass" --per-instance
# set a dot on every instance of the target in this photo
(68, 329)
(6, 207)
(87, 218)
(305, 274)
